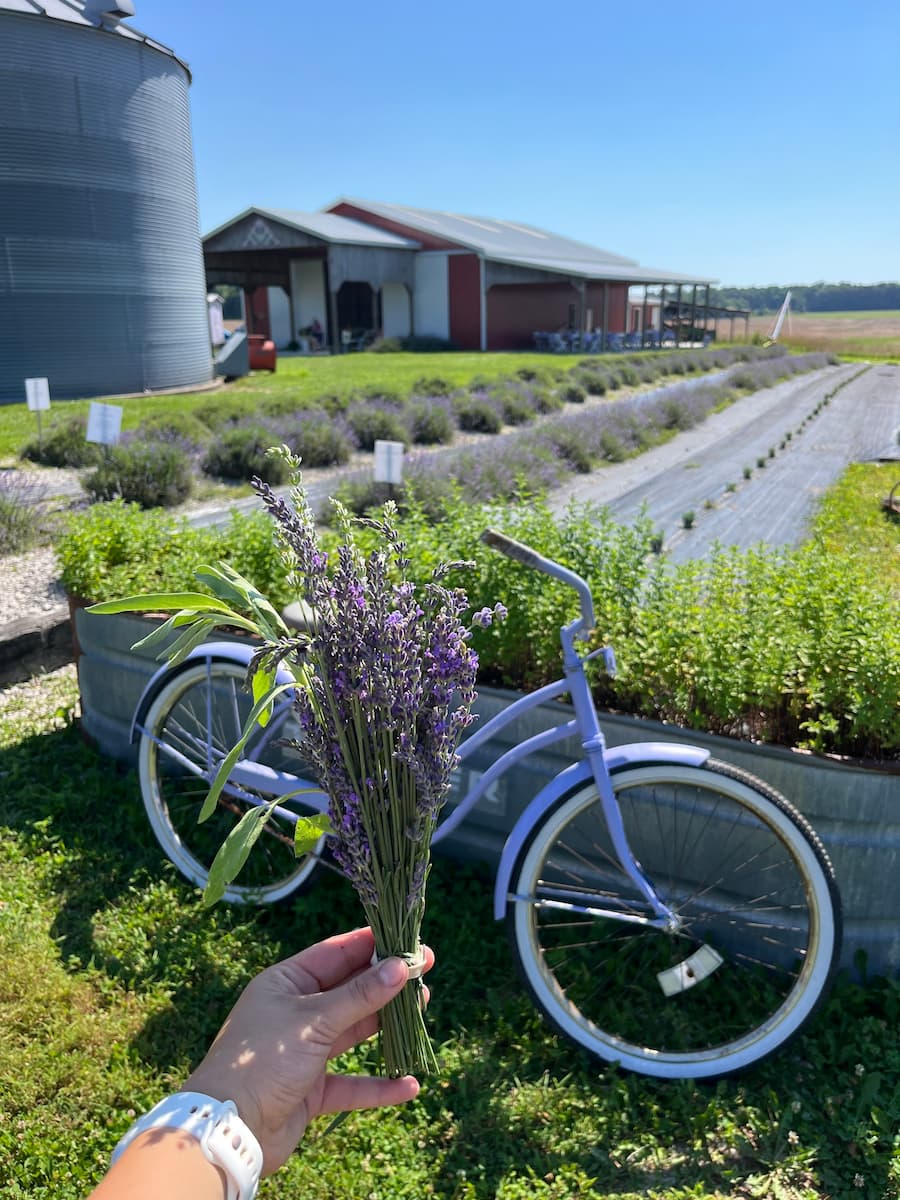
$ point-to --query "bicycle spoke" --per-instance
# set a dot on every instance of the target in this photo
(697, 990)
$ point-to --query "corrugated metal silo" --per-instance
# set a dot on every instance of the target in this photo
(102, 286)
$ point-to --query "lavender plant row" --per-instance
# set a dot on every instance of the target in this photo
(579, 440)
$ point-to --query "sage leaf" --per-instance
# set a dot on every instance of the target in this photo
(261, 684)
(161, 602)
(231, 758)
(234, 851)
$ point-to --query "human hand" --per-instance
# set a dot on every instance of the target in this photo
(271, 1054)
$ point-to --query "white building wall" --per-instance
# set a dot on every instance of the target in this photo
(395, 315)
(279, 317)
(431, 301)
(308, 290)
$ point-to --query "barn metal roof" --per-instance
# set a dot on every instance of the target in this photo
(325, 225)
(522, 245)
(90, 14)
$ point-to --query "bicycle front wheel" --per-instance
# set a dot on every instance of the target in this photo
(746, 960)
(191, 725)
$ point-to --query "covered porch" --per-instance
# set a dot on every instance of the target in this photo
(351, 282)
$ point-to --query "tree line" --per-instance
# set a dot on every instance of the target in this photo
(815, 297)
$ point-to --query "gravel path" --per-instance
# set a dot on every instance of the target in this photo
(774, 505)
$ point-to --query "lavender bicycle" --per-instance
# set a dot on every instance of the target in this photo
(668, 912)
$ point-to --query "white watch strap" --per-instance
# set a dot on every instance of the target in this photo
(224, 1138)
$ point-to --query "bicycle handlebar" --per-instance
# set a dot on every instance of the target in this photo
(524, 554)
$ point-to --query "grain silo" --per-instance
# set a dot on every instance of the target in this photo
(102, 287)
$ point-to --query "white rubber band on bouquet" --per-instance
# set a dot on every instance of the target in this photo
(414, 962)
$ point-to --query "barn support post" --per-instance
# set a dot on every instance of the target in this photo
(706, 314)
(333, 322)
(482, 290)
(580, 287)
(291, 316)
(693, 313)
(662, 313)
(644, 320)
(678, 318)
(604, 325)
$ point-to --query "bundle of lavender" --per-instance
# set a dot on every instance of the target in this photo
(385, 685)
(388, 693)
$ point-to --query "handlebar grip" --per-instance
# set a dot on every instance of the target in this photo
(512, 549)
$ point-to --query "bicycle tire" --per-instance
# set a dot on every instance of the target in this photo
(198, 715)
(751, 885)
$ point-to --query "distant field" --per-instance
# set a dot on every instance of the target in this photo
(856, 334)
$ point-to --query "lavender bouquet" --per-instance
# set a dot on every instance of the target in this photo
(385, 681)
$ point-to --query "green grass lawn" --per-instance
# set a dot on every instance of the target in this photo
(113, 980)
(296, 377)
(851, 518)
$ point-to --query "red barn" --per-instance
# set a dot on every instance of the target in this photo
(360, 268)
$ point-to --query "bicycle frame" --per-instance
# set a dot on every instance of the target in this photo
(595, 765)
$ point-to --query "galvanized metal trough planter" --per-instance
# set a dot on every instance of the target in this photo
(854, 808)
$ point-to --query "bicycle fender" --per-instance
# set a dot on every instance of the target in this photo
(617, 758)
(235, 652)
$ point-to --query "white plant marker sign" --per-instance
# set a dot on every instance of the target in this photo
(388, 462)
(37, 395)
(104, 423)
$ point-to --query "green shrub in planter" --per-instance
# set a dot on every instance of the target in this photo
(430, 424)
(152, 474)
(118, 549)
(524, 649)
(374, 422)
(240, 453)
(64, 445)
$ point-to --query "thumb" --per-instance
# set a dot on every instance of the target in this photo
(363, 995)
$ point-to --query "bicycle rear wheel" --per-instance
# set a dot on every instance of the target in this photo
(191, 725)
(755, 942)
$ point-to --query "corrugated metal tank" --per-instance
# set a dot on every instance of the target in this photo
(102, 286)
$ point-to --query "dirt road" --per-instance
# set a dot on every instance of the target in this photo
(692, 472)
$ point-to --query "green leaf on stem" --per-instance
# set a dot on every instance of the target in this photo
(261, 684)
(161, 602)
(234, 851)
(229, 585)
(308, 832)
(229, 761)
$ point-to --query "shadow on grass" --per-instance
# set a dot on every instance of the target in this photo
(512, 1098)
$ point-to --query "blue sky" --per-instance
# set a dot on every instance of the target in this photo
(753, 143)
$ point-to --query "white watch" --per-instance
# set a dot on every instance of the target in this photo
(224, 1138)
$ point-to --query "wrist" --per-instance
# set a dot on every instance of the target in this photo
(198, 1122)
(224, 1090)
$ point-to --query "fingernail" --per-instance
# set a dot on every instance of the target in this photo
(392, 971)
